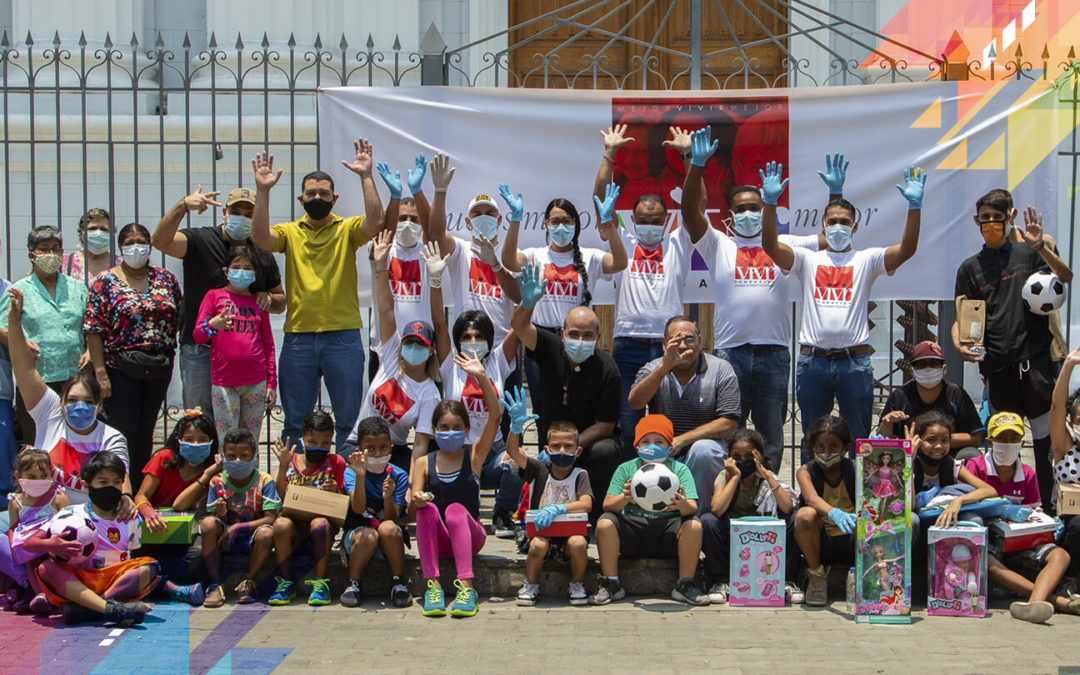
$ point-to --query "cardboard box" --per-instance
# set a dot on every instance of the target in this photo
(971, 318)
(182, 528)
(956, 564)
(566, 525)
(1068, 499)
(305, 503)
(757, 562)
(1006, 536)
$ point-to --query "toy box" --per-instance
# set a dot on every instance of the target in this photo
(758, 547)
(957, 570)
(1006, 536)
(566, 525)
(181, 528)
(883, 535)
(306, 503)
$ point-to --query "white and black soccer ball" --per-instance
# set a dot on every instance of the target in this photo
(75, 527)
(654, 486)
(1043, 293)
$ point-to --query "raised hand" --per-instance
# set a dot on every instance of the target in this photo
(391, 178)
(416, 174)
(679, 141)
(358, 463)
(435, 262)
(517, 410)
(471, 365)
(224, 320)
(532, 286)
(381, 248)
(771, 185)
(614, 139)
(283, 451)
(700, 147)
(198, 201)
(1074, 357)
(606, 208)
(441, 172)
(361, 164)
(1033, 227)
(263, 165)
(914, 186)
(835, 173)
(485, 250)
(516, 204)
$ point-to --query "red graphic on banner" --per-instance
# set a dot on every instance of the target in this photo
(482, 280)
(648, 262)
(391, 401)
(405, 282)
(472, 396)
(561, 280)
(753, 266)
(834, 285)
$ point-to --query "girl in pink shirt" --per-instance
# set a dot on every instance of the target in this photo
(241, 347)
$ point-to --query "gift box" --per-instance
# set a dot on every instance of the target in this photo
(566, 525)
(956, 564)
(181, 528)
(306, 503)
(1006, 536)
(758, 548)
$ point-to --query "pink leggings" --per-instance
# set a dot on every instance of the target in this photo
(460, 536)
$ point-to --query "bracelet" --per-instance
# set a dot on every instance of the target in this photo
(1042, 245)
(608, 158)
(438, 190)
(201, 484)
(497, 267)
(139, 504)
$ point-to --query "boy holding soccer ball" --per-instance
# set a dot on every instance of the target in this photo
(629, 530)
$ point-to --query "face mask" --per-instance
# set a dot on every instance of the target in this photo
(237, 227)
(80, 416)
(241, 279)
(35, 487)
(579, 351)
(564, 460)
(1073, 431)
(928, 377)
(377, 464)
(838, 237)
(829, 459)
(747, 224)
(105, 498)
(561, 235)
(485, 226)
(931, 461)
(1005, 453)
(47, 263)
(746, 466)
(653, 453)
(650, 235)
(408, 234)
(239, 469)
(136, 255)
(475, 349)
(315, 456)
(450, 441)
(195, 453)
(97, 241)
(993, 233)
(317, 209)
(414, 354)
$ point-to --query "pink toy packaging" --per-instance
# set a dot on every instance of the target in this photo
(957, 568)
(758, 546)
(883, 533)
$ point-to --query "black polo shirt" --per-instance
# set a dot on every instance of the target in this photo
(952, 401)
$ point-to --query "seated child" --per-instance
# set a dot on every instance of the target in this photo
(628, 530)
(1002, 469)
(555, 487)
(377, 499)
(315, 467)
(825, 521)
(245, 504)
(746, 487)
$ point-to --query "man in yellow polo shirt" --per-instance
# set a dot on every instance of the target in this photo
(322, 324)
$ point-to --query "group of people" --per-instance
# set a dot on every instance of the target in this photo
(91, 342)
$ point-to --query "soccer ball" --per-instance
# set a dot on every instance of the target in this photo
(75, 527)
(653, 486)
(1043, 293)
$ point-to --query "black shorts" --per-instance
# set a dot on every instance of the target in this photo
(641, 537)
(1025, 388)
(1029, 560)
(837, 550)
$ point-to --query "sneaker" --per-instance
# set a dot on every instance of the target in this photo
(434, 604)
(320, 592)
(817, 587)
(609, 590)
(350, 597)
(467, 603)
(215, 596)
(503, 523)
(718, 593)
(40, 605)
(245, 592)
(284, 593)
(528, 594)
(125, 614)
(686, 590)
(578, 596)
(793, 594)
(400, 596)
(1035, 612)
(1073, 607)
(192, 595)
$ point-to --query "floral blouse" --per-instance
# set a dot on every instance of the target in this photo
(129, 319)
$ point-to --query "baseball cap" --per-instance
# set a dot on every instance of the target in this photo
(659, 424)
(1004, 421)
(240, 194)
(927, 350)
(481, 199)
(419, 329)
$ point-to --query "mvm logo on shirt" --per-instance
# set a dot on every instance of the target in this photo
(482, 280)
(650, 263)
(472, 397)
(753, 267)
(561, 281)
(405, 281)
(390, 401)
(834, 285)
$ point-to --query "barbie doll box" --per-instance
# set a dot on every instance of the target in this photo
(758, 548)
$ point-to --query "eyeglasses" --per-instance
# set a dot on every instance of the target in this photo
(560, 221)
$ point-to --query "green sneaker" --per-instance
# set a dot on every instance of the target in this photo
(466, 603)
(320, 592)
(284, 593)
(434, 605)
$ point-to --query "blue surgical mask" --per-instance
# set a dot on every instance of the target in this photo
(650, 235)
(414, 354)
(450, 441)
(579, 351)
(238, 469)
(241, 279)
(653, 453)
(475, 349)
(80, 416)
(747, 224)
(485, 226)
(195, 453)
(562, 459)
(561, 235)
(237, 227)
(838, 237)
(97, 241)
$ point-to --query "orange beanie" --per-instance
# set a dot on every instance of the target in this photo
(654, 424)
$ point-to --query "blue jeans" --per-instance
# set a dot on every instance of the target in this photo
(705, 459)
(630, 355)
(849, 380)
(501, 475)
(337, 357)
(762, 371)
(195, 376)
(9, 447)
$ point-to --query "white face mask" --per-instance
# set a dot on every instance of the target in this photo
(477, 350)
(485, 226)
(650, 235)
(136, 255)
(377, 464)
(1005, 454)
(838, 237)
(1073, 431)
(747, 223)
(928, 377)
(408, 233)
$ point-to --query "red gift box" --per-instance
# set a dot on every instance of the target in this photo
(566, 525)
(1006, 536)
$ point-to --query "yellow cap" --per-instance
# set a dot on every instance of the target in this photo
(1005, 421)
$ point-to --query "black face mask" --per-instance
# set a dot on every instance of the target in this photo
(105, 498)
(315, 456)
(317, 208)
(932, 461)
(746, 466)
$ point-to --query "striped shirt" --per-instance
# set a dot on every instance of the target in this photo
(711, 394)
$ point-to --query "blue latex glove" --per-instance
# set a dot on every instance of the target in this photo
(844, 520)
(517, 410)
(416, 175)
(835, 173)
(1016, 513)
(546, 515)
(392, 179)
(1059, 531)
(531, 285)
(914, 186)
(771, 185)
(606, 208)
(700, 148)
(516, 204)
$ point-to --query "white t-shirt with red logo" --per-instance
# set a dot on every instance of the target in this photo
(752, 295)
(835, 289)
(650, 289)
(462, 387)
(473, 285)
(409, 284)
(400, 400)
(563, 288)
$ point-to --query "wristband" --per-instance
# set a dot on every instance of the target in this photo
(686, 155)
(609, 158)
(1042, 245)
(497, 267)
(435, 282)
(438, 190)
(210, 331)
